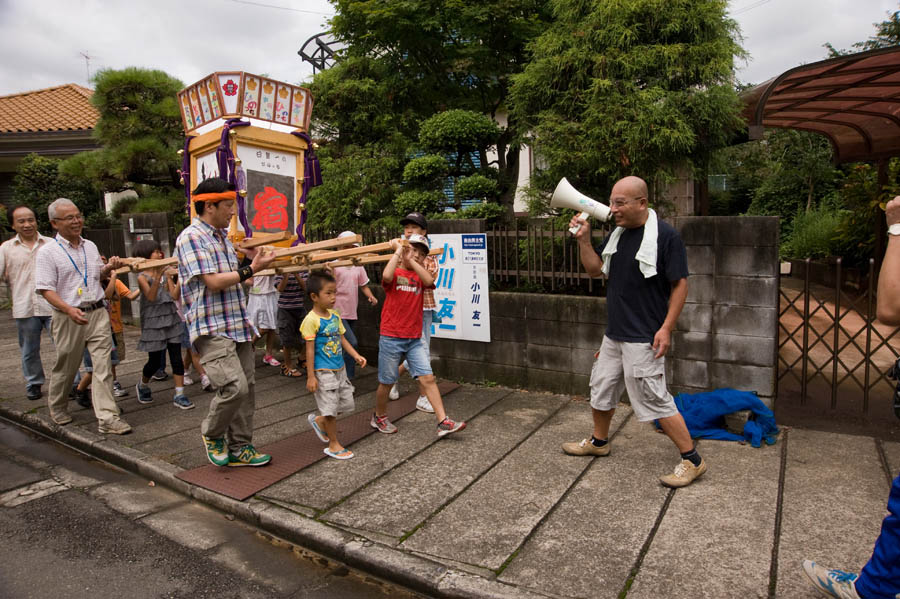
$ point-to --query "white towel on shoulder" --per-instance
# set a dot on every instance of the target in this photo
(646, 254)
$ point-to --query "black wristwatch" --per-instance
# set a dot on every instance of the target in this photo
(245, 272)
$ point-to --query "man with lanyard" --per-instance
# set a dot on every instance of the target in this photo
(31, 312)
(67, 274)
(217, 320)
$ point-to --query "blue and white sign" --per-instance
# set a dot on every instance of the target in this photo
(461, 288)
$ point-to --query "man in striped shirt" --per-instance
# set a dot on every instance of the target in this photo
(217, 320)
(67, 274)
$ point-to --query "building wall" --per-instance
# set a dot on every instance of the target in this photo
(726, 335)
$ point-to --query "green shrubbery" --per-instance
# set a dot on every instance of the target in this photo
(813, 234)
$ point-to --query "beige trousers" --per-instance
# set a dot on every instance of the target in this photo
(70, 340)
(231, 367)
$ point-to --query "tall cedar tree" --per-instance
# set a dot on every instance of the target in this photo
(627, 87)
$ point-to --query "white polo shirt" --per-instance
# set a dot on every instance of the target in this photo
(17, 266)
(66, 269)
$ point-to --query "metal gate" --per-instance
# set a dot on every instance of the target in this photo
(833, 355)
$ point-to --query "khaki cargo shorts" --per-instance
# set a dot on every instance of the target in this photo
(622, 366)
(334, 394)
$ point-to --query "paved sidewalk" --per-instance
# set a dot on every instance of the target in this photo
(499, 511)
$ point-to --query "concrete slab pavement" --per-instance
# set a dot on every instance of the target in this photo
(498, 510)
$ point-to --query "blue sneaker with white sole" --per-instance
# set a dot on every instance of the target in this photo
(181, 401)
(144, 394)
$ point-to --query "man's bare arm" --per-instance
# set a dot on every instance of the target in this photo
(888, 308)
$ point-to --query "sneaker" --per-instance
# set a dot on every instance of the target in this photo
(118, 390)
(315, 426)
(382, 424)
(183, 402)
(394, 395)
(34, 392)
(831, 583)
(424, 405)
(188, 381)
(114, 426)
(271, 361)
(83, 398)
(685, 473)
(449, 426)
(894, 373)
(144, 394)
(344, 454)
(585, 447)
(61, 419)
(206, 384)
(248, 456)
(216, 451)
(160, 375)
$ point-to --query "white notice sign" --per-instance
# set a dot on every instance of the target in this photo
(461, 288)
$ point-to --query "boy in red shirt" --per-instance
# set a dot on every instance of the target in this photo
(404, 280)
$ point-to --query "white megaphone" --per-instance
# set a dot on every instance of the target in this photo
(566, 196)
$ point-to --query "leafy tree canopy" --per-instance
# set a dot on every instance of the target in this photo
(39, 181)
(629, 87)
(457, 53)
(887, 34)
(408, 60)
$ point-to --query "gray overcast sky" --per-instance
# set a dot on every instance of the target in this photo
(41, 41)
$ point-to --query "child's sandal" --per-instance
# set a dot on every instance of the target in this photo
(291, 372)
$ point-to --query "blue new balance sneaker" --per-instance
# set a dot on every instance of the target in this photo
(831, 583)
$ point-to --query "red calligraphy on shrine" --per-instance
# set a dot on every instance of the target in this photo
(270, 206)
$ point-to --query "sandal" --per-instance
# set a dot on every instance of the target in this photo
(344, 454)
(291, 372)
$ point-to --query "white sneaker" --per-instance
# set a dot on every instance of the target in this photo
(207, 384)
(395, 393)
(424, 405)
(188, 381)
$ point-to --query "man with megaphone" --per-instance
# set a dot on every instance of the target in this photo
(646, 264)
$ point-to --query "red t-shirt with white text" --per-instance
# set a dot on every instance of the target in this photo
(401, 315)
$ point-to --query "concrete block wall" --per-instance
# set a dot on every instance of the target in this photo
(726, 336)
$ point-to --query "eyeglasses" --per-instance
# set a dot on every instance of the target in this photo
(620, 203)
(71, 218)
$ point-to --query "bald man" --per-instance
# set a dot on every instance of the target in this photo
(646, 264)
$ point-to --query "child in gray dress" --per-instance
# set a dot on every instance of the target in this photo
(161, 327)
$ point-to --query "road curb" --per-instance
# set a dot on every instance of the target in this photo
(412, 571)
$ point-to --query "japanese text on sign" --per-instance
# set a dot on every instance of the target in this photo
(461, 285)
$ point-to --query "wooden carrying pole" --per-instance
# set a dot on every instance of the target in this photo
(139, 264)
(319, 245)
(259, 239)
(357, 261)
(334, 255)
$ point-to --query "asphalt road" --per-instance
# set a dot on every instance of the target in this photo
(73, 527)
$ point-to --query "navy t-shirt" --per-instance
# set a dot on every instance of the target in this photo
(637, 306)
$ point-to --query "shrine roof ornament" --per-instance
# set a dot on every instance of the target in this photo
(234, 94)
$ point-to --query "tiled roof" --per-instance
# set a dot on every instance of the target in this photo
(62, 108)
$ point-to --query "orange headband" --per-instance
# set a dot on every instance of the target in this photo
(212, 198)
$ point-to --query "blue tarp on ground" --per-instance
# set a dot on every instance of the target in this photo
(704, 415)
